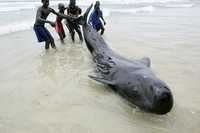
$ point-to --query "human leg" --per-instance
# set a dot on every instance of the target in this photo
(47, 44)
(78, 30)
(50, 39)
(52, 44)
(71, 30)
(102, 30)
(61, 35)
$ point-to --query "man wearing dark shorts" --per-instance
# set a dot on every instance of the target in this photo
(73, 26)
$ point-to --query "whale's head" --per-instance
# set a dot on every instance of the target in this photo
(147, 92)
(157, 94)
(142, 89)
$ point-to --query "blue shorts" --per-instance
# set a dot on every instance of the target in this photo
(42, 34)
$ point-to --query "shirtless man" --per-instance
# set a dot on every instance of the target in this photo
(43, 35)
(74, 11)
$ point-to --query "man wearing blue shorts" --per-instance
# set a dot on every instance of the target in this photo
(41, 32)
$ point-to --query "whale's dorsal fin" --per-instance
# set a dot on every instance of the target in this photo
(101, 80)
(82, 20)
(146, 61)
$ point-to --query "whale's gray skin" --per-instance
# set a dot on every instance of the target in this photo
(132, 79)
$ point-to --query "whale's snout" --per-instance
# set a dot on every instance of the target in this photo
(163, 101)
(164, 97)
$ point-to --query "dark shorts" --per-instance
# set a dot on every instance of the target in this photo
(72, 26)
(42, 34)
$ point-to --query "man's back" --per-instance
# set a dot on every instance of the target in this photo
(95, 17)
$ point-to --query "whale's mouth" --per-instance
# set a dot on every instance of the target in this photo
(164, 98)
(163, 104)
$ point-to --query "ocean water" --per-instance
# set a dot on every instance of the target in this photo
(19, 15)
(50, 91)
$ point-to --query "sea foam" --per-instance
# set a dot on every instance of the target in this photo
(107, 7)
(15, 27)
(132, 10)
(16, 5)
(26, 25)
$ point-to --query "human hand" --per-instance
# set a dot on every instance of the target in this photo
(52, 10)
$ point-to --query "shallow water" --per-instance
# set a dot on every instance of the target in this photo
(51, 92)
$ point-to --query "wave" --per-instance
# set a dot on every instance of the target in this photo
(146, 9)
(124, 2)
(21, 25)
(9, 9)
(16, 5)
(134, 10)
(26, 25)
(179, 5)
(15, 27)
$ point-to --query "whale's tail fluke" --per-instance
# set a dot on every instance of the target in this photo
(85, 16)
(94, 42)
(83, 19)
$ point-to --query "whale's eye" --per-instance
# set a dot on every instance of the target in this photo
(128, 83)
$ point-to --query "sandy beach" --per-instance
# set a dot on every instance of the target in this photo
(50, 91)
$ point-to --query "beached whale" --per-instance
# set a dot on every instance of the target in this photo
(132, 79)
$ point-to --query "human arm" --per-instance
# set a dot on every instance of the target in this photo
(79, 11)
(61, 15)
(41, 17)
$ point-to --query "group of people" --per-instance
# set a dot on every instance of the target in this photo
(73, 13)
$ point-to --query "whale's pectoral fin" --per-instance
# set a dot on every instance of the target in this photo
(146, 61)
(101, 80)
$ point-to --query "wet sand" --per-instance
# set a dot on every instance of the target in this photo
(50, 91)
